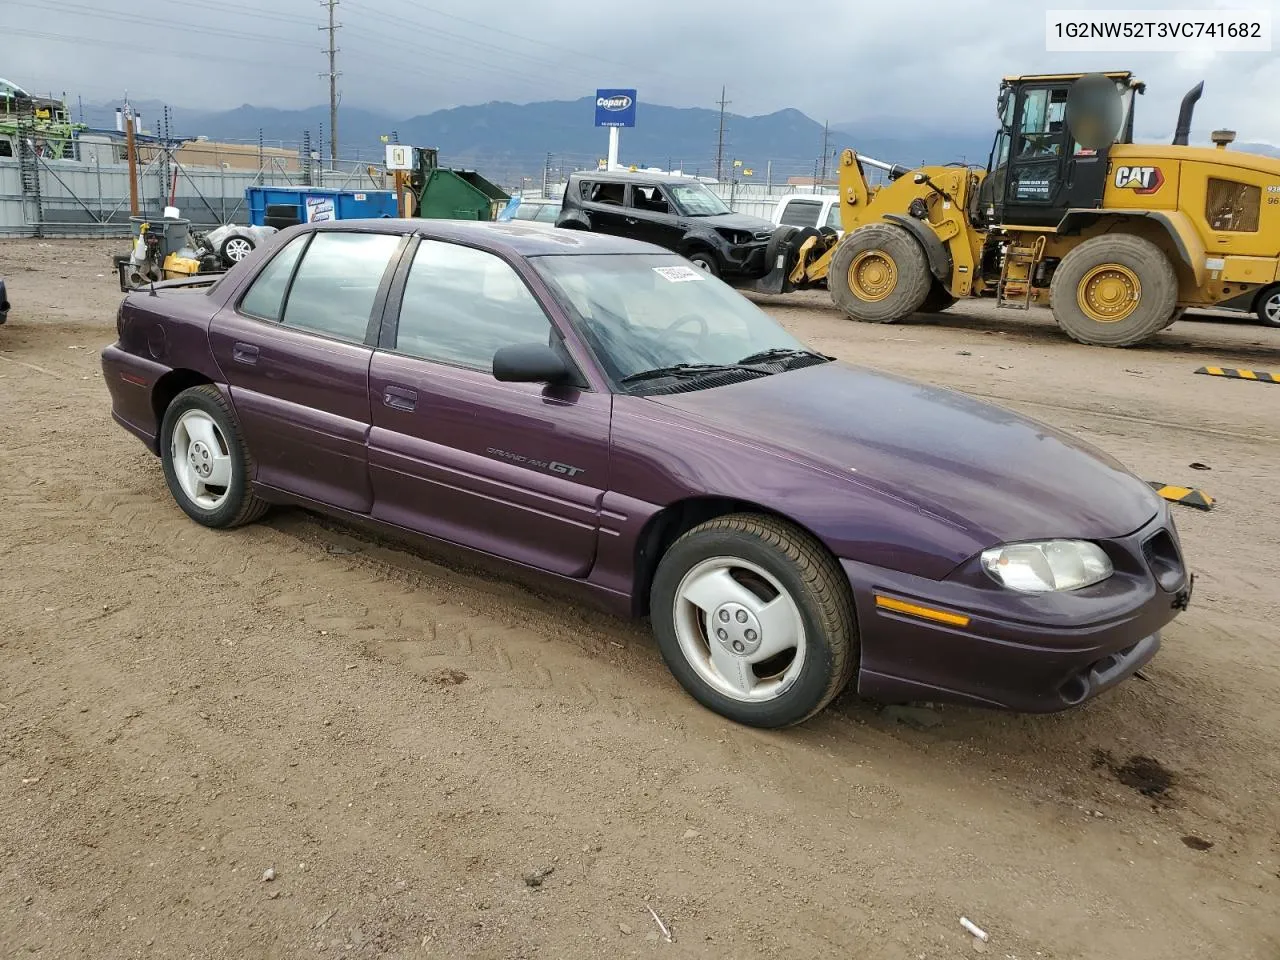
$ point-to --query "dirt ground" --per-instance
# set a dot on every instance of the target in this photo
(436, 764)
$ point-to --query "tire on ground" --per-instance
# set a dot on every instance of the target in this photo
(899, 294)
(1175, 317)
(1139, 257)
(705, 261)
(1268, 309)
(240, 506)
(937, 299)
(815, 582)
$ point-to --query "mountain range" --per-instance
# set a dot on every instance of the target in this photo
(508, 141)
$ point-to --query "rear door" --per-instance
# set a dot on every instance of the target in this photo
(295, 351)
(651, 217)
(605, 203)
(516, 470)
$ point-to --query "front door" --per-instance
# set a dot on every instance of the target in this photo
(516, 470)
(1048, 172)
(295, 352)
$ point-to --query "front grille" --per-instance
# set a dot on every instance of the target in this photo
(1161, 554)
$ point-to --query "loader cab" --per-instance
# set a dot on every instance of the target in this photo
(1050, 153)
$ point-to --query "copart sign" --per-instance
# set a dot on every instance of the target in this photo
(615, 108)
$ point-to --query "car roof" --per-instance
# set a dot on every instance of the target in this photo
(626, 176)
(510, 236)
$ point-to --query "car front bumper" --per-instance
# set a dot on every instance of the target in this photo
(1028, 653)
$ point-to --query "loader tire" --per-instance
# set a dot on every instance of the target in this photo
(1114, 291)
(879, 274)
(937, 299)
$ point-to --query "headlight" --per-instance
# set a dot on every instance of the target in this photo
(1052, 565)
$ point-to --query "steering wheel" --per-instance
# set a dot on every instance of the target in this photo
(685, 320)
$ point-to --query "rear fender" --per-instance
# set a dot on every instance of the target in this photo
(1182, 233)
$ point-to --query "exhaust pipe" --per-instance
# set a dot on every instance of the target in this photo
(1183, 131)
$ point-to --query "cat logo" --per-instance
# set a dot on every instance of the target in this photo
(1141, 180)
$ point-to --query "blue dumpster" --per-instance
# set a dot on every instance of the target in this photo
(319, 203)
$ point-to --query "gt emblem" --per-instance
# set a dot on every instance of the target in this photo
(1141, 180)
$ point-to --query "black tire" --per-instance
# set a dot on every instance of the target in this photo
(1174, 317)
(1268, 308)
(231, 247)
(937, 299)
(240, 506)
(910, 284)
(705, 262)
(779, 242)
(1157, 293)
(810, 576)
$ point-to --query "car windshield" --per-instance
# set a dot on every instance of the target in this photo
(695, 200)
(644, 313)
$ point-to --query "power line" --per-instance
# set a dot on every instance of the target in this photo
(333, 80)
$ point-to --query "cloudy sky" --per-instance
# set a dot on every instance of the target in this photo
(924, 63)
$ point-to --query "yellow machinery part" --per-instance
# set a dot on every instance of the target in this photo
(176, 267)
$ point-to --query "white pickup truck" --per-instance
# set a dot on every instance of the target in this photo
(809, 210)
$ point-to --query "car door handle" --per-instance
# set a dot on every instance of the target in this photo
(244, 353)
(400, 398)
(632, 221)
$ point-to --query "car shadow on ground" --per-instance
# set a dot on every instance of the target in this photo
(993, 739)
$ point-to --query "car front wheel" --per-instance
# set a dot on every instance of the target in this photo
(206, 463)
(755, 620)
(1269, 307)
(705, 262)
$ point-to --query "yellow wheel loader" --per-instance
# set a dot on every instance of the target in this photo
(1118, 238)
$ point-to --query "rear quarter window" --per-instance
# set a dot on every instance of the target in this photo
(266, 293)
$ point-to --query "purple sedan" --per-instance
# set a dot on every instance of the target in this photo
(594, 412)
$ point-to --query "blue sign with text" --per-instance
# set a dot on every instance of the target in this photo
(615, 108)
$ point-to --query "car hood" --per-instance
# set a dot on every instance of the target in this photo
(738, 221)
(969, 463)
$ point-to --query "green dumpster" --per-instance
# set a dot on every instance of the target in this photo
(444, 194)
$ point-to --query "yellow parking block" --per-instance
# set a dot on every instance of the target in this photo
(1261, 376)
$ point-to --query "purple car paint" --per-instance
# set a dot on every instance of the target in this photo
(588, 482)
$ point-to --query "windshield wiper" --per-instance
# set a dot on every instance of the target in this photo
(781, 353)
(689, 370)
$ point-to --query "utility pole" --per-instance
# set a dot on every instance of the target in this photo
(333, 80)
(720, 142)
(546, 176)
(826, 147)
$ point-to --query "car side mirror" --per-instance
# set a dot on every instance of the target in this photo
(529, 363)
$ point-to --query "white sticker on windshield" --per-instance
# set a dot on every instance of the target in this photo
(678, 274)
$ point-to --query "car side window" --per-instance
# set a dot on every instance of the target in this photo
(801, 213)
(337, 282)
(610, 193)
(651, 199)
(833, 217)
(266, 293)
(461, 305)
(547, 213)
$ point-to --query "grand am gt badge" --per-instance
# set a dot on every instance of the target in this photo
(1141, 180)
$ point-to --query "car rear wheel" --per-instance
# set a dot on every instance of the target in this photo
(755, 620)
(705, 262)
(206, 463)
(1269, 307)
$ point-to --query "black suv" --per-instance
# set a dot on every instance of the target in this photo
(678, 213)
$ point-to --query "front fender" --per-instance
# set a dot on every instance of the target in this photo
(934, 249)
